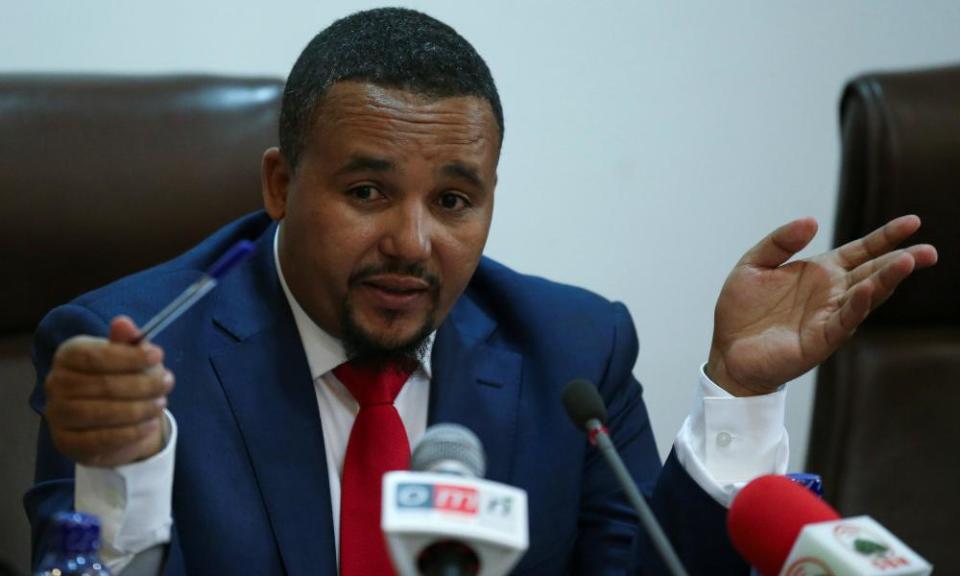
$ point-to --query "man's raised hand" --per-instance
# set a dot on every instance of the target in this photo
(776, 320)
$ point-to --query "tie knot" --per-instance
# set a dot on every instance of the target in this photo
(374, 385)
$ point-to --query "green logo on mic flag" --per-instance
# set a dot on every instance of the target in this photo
(869, 547)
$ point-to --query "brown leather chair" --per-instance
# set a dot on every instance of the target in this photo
(886, 423)
(101, 176)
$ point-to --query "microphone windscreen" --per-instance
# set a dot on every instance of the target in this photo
(449, 443)
(766, 517)
(583, 403)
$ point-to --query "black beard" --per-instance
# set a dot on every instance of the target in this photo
(362, 347)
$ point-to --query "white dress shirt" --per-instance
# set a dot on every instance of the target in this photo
(724, 443)
(338, 408)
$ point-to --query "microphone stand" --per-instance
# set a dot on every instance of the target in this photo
(599, 437)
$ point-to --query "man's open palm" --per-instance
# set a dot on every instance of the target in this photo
(776, 320)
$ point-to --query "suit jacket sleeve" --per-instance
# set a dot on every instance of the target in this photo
(53, 487)
(694, 522)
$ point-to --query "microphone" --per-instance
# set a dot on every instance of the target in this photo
(585, 408)
(442, 519)
(779, 527)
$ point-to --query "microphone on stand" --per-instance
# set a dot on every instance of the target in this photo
(442, 519)
(585, 407)
(779, 527)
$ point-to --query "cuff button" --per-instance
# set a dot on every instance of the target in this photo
(724, 439)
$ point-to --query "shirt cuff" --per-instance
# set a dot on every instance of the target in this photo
(132, 501)
(726, 441)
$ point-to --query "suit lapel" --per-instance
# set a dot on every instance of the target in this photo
(477, 384)
(265, 376)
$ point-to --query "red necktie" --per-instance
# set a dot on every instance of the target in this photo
(378, 444)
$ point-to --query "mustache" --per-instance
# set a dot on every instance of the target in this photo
(409, 269)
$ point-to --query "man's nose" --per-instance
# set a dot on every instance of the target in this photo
(408, 235)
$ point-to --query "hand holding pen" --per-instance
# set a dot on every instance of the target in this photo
(105, 397)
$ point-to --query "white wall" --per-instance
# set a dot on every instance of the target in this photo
(648, 143)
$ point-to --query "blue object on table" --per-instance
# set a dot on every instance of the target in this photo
(73, 549)
(811, 482)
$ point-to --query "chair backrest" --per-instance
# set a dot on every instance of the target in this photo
(101, 176)
(886, 428)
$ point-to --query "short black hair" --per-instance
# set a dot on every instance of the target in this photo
(389, 47)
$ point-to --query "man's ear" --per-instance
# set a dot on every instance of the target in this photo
(275, 177)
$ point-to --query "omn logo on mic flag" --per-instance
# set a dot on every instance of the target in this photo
(445, 498)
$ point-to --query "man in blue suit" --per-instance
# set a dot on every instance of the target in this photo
(378, 202)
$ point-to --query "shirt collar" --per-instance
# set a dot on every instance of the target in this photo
(324, 352)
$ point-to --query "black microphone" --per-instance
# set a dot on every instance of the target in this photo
(585, 408)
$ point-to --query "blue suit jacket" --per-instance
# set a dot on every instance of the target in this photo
(250, 487)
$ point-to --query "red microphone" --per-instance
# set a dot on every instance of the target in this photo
(766, 517)
(779, 527)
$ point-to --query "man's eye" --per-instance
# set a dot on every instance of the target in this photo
(454, 202)
(365, 193)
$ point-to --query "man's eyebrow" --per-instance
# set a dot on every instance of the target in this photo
(468, 173)
(365, 164)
